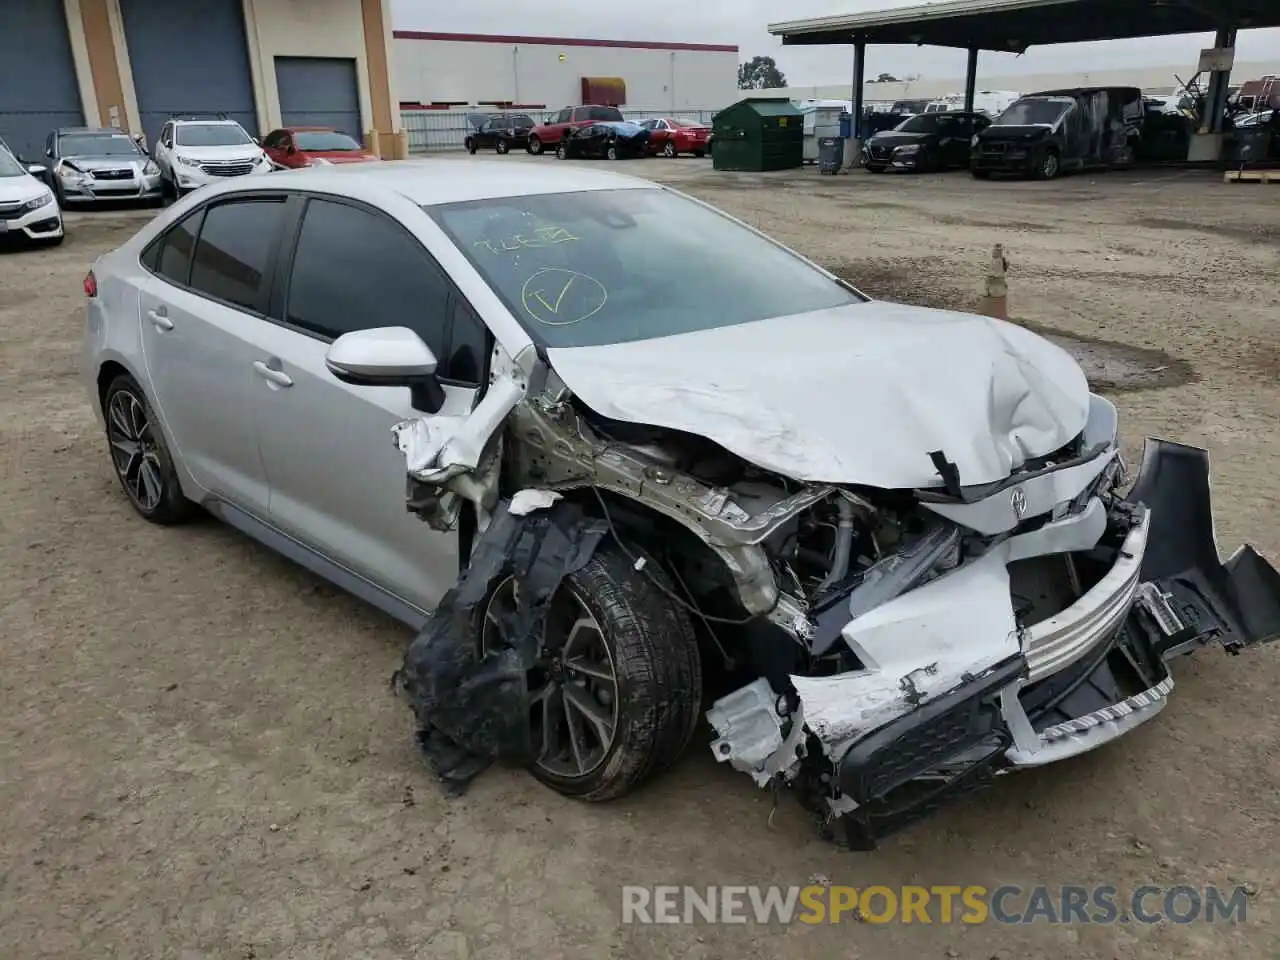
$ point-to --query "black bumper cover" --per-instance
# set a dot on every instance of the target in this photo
(893, 773)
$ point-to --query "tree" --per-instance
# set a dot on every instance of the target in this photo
(760, 73)
(885, 78)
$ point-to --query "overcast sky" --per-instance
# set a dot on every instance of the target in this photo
(742, 22)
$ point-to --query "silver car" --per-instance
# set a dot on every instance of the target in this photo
(590, 435)
(88, 165)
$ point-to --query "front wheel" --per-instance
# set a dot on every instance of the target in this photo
(1048, 166)
(502, 146)
(669, 149)
(562, 152)
(534, 146)
(612, 153)
(615, 693)
(470, 145)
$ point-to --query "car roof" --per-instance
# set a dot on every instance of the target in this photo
(437, 181)
(91, 131)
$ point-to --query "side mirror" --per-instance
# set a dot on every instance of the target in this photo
(292, 150)
(37, 169)
(388, 357)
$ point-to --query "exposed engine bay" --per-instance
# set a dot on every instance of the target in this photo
(882, 650)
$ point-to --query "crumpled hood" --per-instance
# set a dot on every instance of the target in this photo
(858, 394)
(89, 162)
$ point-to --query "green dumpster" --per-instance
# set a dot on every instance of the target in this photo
(765, 133)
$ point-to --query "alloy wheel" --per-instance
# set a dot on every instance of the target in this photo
(134, 450)
(572, 687)
(669, 149)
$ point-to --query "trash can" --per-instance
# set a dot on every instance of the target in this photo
(846, 125)
(830, 155)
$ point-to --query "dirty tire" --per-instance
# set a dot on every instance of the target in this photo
(534, 146)
(172, 506)
(657, 668)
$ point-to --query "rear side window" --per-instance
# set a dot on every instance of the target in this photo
(564, 116)
(354, 270)
(176, 247)
(606, 114)
(236, 249)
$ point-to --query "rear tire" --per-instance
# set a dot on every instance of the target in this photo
(562, 152)
(470, 145)
(535, 146)
(669, 150)
(649, 645)
(141, 457)
(502, 146)
(612, 153)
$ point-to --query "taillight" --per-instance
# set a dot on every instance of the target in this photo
(90, 285)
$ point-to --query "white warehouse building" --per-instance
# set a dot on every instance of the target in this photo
(450, 70)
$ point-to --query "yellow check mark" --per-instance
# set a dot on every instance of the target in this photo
(554, 308)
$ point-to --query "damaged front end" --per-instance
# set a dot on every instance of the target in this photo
(888, 650)
(1051, 638)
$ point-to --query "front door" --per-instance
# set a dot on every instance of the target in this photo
(196, 315)
(338, 481)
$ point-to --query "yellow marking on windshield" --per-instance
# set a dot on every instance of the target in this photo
(546, 236)
(557, 297)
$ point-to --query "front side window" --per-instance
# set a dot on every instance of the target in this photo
(325, 141)
(235, 251)
(211, 135)
(615, 266)
(355, 270)
(9, 166)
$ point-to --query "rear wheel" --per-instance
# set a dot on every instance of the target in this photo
(140, 456)
(615, 693)
(669, 149)
(502, 146)
(562, 152)
(470, 144)
(612, 152)
(535, 146)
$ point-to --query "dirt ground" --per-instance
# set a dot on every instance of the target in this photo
(199, 755)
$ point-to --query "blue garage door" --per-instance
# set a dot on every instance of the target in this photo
(319, 92)
(38, 89)
(189, 57)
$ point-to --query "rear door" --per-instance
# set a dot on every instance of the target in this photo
(338, 482)
(200, 312)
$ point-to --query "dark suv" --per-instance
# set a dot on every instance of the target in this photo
(501, 132)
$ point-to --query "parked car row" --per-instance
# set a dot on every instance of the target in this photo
(588, 131)
(1040, 135)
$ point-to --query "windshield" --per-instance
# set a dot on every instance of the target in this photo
(97, 145)
(521, 120)
(210, 135)
(928, 123)
(10, 167)
(324, 140)
(616, 266)
(1029, 113)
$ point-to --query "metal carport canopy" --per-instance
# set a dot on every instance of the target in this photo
(1015, 25)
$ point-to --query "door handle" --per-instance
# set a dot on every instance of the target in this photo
(159, 317)
(278, 377)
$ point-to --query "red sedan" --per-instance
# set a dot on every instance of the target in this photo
(293, 147)
(672, 137)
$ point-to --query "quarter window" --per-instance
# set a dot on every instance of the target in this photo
(236, 248)
(355, 270)
(177, 247)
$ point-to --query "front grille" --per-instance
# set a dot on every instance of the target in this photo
(227, 169)
(10, 211)
(112, 174)
(879, 152)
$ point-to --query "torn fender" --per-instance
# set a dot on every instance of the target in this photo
(471, 703)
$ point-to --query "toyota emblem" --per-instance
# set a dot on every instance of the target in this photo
(1019, 502)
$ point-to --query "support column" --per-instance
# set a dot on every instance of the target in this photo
(971, 79)
(853, 146)
(1219, 81)
(385, 137)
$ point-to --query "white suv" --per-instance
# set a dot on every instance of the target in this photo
(194, 151)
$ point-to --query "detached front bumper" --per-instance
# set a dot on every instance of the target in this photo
(902, 736)
(86, 190)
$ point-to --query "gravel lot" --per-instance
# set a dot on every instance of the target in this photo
(199, 755)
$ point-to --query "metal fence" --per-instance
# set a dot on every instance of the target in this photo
(435, 130)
